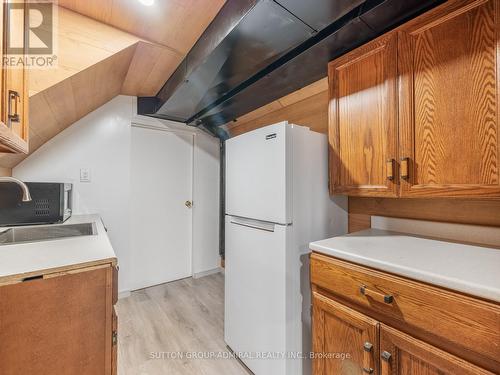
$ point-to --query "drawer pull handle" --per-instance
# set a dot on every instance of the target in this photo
(368, 370)
(375, 295)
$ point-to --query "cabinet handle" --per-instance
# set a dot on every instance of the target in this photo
(13, 96)
(385, 298)
(368, 357)
(385, 364)
(405, 169)
(390, 169)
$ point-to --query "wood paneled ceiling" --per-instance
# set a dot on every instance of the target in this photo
(82, 42)
(307, 106)
(176, 24)
(108, 48)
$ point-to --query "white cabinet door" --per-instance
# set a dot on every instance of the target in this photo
(161, 224)
(255, 285)
(258, 174)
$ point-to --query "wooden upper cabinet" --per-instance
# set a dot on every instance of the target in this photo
(344, 341)
(14, 126)
(449, 72)
(363, 120)
(426, 94)
(401, 354)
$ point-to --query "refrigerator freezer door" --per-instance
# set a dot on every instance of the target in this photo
(255, 276)
(258, 174)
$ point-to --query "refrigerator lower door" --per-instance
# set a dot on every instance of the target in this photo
(258, 174)
(255, 303)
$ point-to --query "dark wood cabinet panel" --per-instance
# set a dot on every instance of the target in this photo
(363, 120)
(344, 341)
(448, 114)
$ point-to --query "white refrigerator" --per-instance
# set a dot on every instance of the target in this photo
(277, 201)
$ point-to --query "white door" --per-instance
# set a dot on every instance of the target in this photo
(258, 174)
(161, 224)
(255, 317)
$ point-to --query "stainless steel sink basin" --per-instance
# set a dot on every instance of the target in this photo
(46, 232)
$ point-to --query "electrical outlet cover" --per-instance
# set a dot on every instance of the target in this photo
(84, 175)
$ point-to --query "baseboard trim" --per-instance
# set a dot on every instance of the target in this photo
(198, 275)
(124, 294)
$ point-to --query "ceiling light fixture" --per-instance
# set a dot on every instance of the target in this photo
(147, 3)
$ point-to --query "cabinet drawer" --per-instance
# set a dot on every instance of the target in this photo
(461, 324)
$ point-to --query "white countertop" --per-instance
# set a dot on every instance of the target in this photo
(469, 269)
(31, 258)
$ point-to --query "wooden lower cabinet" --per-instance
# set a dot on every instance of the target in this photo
(61, 323)
(369, 322)
(344, 341)
(402, 354)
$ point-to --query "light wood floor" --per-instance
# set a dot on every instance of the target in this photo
(183, 316)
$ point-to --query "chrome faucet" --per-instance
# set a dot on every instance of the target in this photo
(24, 187)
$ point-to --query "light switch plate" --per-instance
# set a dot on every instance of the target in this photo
(84, 175)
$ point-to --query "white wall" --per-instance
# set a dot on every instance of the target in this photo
(101, 142)
(206, 204)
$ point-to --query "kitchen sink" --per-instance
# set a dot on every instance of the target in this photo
(46, 232)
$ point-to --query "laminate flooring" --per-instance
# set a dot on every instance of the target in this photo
(175, 328)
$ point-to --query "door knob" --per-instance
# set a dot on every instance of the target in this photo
(189, 204)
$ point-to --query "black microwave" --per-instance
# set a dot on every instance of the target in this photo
(50, 203)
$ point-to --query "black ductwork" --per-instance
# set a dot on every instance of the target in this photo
(256, 51)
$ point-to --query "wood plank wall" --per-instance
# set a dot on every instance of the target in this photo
(309, 107)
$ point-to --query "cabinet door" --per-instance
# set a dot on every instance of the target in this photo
(58, 325)
(402, 354)
(363, 120)
(449, 106)
(345, 342)
(14, 127)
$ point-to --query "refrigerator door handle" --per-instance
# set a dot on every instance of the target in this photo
(255, 224)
